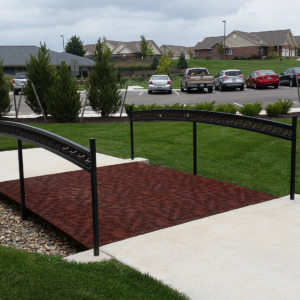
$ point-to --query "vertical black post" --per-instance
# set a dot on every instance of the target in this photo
(195, 147)
(94, 197)
(293, 158)
(21, 175)
(131, 134)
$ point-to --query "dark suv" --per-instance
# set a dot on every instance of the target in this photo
(19, 81)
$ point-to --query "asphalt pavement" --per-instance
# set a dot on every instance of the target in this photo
(249, 95)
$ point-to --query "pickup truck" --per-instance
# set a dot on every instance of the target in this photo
(197, 78)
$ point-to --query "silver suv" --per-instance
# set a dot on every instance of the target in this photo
(229, 78)
(19, 81)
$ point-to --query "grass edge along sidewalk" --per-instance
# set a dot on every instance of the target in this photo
(26, 275)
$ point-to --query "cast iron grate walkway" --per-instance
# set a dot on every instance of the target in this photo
(134, 199)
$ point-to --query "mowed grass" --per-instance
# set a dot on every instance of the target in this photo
(247, 159)
(246, 67)
(33, 276)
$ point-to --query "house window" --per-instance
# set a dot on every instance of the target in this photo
(123, 55)
(234, 36)
(229, 51)
(260, 50)
(197, 53)
(209, 52)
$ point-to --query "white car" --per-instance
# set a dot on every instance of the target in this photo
(18, 82)
(160, 83)
(229, 79)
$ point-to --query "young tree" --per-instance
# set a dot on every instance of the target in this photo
(146, 48)
(150, 50)
(75, 46)
(170, 54)
(191, 53)
(154, 62)
(220, 49)
(165, 65)
(104, 95)
(182, 61)
(41, 73)
(63, 101)
(4, 93)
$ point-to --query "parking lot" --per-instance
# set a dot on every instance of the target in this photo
(266, 96)
(139, 96)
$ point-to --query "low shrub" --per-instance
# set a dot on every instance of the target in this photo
(229, 108)
(285, 105)
(274, 109)
(250, 109)
(205, 106)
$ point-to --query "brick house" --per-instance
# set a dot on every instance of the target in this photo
(124, 50)
(239, 43)
(176, 50)
(297, 39)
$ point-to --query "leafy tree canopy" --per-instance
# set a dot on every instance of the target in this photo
(182, 61)
(4, 93)
(75, 46)
(165, 65)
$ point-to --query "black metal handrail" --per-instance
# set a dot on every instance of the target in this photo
(272, 128)
(83, 157)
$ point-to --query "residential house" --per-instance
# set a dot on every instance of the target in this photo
(204, 49)
(297, 39)
(176, 50)
(124, 50)
(15, 57)
(245, 44)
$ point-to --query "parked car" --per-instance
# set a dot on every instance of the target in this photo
(262, 78)
(229, 78)
(19, 81)
(160, 83)
(197, 78)
(288, 77)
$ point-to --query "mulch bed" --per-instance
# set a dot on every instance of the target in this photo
(122, 119)
(134, 199)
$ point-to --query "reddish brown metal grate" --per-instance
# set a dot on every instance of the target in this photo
(134, 199)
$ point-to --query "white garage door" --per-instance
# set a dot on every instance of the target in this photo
(293, 53)
(287, 52)
(283, 52)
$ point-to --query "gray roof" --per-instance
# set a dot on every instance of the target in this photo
(178, 49)
(297, 39)
(15, 56)
(273, 38)
(208, 42)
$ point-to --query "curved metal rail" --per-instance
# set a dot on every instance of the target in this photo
(275, 129)
(83, 157)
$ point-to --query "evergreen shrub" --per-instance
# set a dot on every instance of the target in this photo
(41, 73)
(285, 105)
(182, 61)
(229, 108)
(274, 109)
(5, 105)
(63, 101)
(251, 109)
(105, 96)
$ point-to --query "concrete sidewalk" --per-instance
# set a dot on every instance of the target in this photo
(39, 162)
(247, 253)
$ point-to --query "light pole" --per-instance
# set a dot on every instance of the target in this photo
(63, 42)
(224, 39)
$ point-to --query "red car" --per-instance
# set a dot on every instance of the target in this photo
(262, 78)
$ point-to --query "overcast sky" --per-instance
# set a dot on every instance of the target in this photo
(166, 22)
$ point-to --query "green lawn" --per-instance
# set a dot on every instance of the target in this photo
(244, 158)
(33, 276)
(246, 66)
(235, 156)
